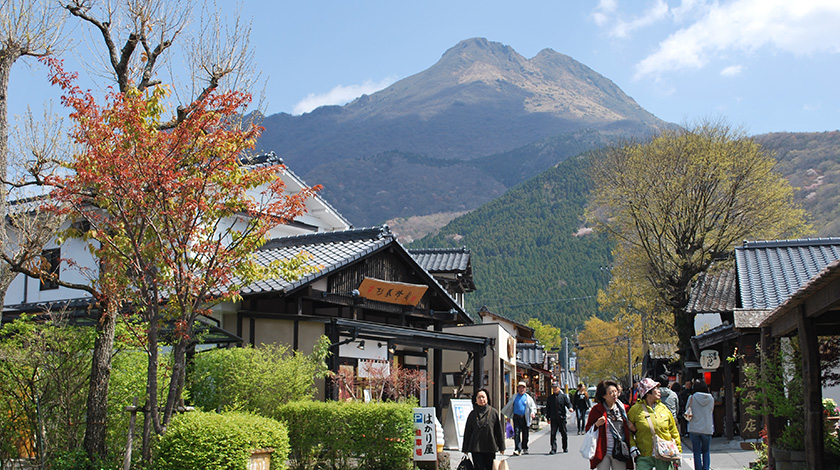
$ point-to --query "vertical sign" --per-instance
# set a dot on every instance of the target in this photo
(748, 349)
(460, 410)
(425, 436)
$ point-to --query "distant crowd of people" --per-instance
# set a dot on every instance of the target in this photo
(639, 428)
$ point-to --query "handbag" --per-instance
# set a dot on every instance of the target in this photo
(466, 463)
(620, 451)
(688, 414)
(500, 464)
(663, 449)
(590, 443)
(509, 430)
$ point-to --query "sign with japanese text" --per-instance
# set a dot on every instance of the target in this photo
(392, 292)
(750, 426)
(425, 434)
(709, 359)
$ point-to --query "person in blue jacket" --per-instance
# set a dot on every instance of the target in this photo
(521, 409)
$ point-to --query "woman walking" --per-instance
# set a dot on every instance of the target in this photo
(610, 418)
(701, 425)
(580, 402)
(484, 434)
(649, 415)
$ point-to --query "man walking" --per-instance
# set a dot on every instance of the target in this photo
(522, 409)
(555, 411)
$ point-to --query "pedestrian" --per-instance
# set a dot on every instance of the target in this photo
(668, 397)
(684, 394)
(484, 434)
(610, 418)
(649, 412)
(521, 408)
(701, 425)
(580, 402)
(555, 412)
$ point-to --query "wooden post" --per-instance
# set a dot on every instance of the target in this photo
(729, 397)
(814, 444)
(131, 422)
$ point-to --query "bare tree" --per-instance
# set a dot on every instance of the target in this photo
(28, 28)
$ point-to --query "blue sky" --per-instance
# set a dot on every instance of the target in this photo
(766, 65)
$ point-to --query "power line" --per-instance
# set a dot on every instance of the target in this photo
(543, 302)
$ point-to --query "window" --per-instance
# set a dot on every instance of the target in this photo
(50, 260)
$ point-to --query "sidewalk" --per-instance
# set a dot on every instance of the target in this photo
(724, 455)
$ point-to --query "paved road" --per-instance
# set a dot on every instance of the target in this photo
(723, 456)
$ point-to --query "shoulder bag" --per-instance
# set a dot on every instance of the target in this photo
(688, 414)
(663, 449)
(620, 451)
(466, 463)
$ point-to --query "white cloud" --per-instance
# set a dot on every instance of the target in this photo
(605, 14)
(732, 71)
(340, 95)
(802, 27)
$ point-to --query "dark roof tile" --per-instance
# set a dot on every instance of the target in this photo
(770, 271)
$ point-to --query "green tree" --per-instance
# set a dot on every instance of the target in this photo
(602, 350)
(548, 335)
(685, 198)
(44, 369)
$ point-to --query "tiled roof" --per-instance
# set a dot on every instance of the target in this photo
(714, 291)
(530, 353)
(332, 250)
(436, 260)
(662, 350)
(770, 271)
(827, 275)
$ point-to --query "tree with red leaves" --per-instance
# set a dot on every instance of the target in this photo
(175, 217)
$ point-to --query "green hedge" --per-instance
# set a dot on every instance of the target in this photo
(220, 441)
(376, 436)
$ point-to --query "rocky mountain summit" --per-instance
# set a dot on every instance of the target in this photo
(480, 99)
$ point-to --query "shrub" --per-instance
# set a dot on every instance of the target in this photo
(378, 436)
(258, 380)
(219, 441)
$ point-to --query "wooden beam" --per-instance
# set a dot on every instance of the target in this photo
(729, 398)
(814, 444)
(825, 298)
(785, 325)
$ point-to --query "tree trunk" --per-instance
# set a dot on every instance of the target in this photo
(100, 375)
(153, 413)
(6, 62)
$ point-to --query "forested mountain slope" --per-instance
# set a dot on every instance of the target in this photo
(532, 257)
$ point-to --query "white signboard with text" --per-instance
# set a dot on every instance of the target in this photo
(425, 435)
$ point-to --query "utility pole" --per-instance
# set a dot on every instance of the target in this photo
(566, 371)
(629, 365)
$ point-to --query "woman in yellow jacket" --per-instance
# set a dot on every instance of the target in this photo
(663, 423)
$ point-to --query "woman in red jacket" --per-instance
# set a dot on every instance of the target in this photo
(610, 418)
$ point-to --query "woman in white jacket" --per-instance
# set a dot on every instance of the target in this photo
(701, 425)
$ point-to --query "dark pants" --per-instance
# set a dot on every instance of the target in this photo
(559, 423)
(483, 460)
(581, 419)
(520, 427)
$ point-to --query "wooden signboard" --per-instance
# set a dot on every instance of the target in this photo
(392, 292)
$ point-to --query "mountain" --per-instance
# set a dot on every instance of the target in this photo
(811, 162)
(479, 104)
(533, 258)
(532, 255)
